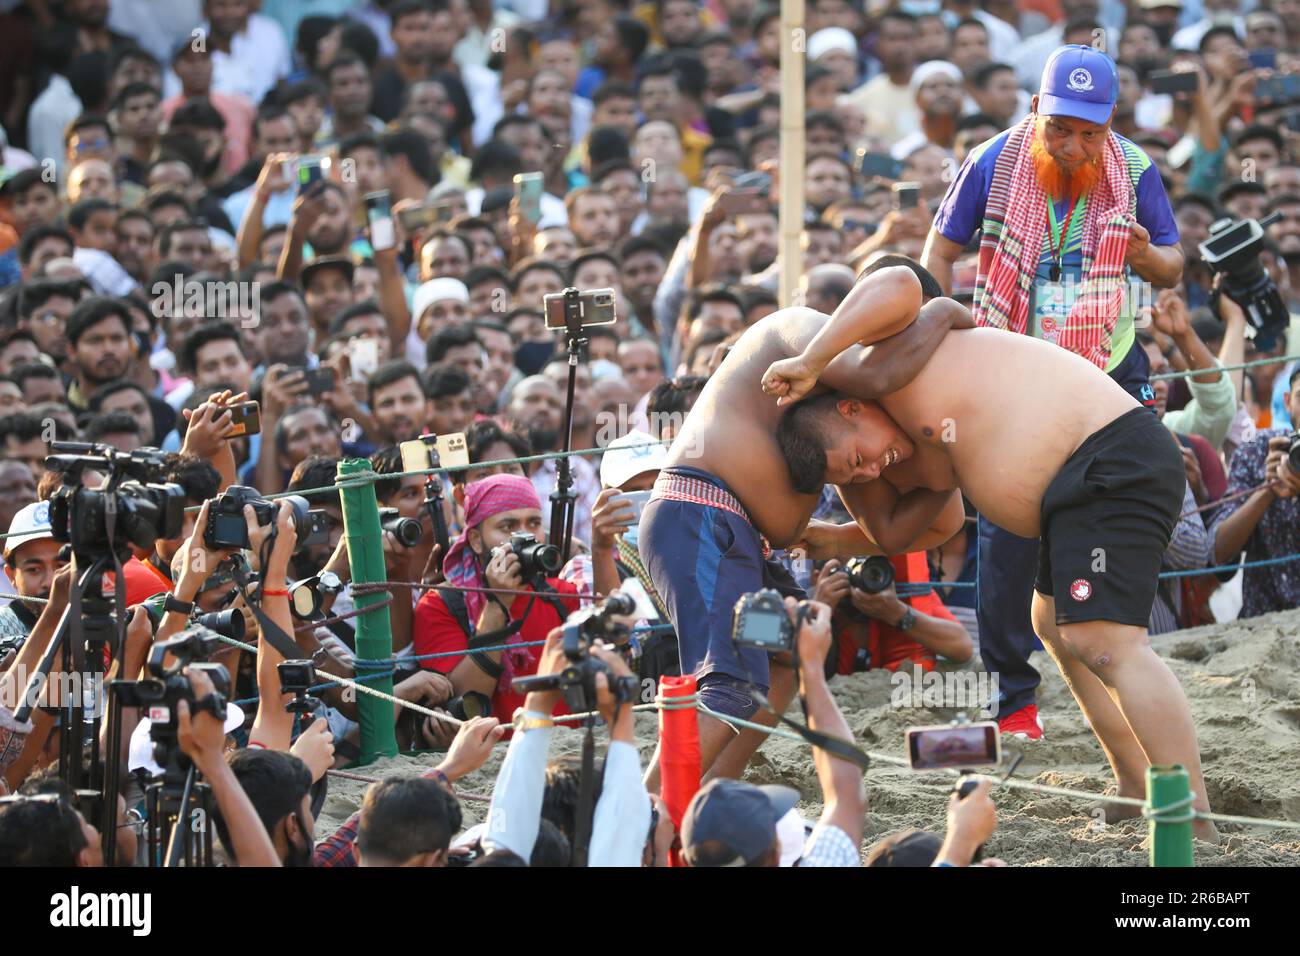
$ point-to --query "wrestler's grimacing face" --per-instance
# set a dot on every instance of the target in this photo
(865, 442)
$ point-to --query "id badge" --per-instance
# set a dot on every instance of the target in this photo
(1051, 308)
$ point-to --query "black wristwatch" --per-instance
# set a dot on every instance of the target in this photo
(906, 621)
(174, 604)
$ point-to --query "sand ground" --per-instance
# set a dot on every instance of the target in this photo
(1243, 681)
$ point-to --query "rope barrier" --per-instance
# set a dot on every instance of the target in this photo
(1232, 497)
(1224, 368)
(883, 758)
(371, 479)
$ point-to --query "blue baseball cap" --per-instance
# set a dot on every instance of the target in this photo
(1081, 82)
(735, 816)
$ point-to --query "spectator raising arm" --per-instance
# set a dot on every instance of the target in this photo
(202, 740)
(1214, 401)
(514, 817)
(392, 299)
(307, 208)
(273, 178)
(971, 821)
(273, 725)
(843, 797)
(622, 818)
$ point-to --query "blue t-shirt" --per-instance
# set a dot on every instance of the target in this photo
(961, 215)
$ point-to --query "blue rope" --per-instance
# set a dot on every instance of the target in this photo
(1262, 563)
(913, 588)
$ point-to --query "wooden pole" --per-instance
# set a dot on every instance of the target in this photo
(793, 44)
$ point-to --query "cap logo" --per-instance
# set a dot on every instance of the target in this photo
(1080, 80)
(41, 516)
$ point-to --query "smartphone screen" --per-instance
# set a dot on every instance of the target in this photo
(311, 169)
(417, 217)
(320, 380)
(379, 213)
(907, 195)
(954, 747)
(528, 187)
(363, 355)
(636, 500)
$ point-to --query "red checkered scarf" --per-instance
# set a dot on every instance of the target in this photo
(1012, 244)
(483, 499)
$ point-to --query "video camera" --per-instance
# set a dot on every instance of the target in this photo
(536, 558)
(1233, 251)
(297, 677)
(141, 508)
(161, 692)
(578, 679)
(226, 527)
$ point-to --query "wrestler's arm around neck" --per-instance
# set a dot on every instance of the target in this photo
(884, 309)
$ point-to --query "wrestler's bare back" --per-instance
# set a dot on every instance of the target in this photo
(731, 431)
(1004, 412)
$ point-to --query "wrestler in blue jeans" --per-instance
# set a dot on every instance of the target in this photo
(1007, 564)
(702, 560)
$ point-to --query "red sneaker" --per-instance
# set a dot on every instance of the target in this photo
(1023, 723)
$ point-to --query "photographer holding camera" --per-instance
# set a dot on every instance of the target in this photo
(621, 822)
(877, 629)
(1265, 523)
(501, 547)
(732, 823)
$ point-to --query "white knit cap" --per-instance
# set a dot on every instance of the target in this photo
(932, 68)
(435, 290)
(831, 38)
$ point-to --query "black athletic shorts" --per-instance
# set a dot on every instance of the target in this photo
(1106, 521)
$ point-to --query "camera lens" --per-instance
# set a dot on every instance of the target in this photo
(407, 530)
(228, 623)
(871, 574)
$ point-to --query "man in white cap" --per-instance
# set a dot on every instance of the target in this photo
(31, 558)
(438, 304)
(937, 88)
(836, 49)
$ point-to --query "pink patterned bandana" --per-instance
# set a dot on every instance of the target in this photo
(484, 499)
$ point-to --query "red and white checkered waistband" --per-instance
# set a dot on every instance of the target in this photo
(696, 491)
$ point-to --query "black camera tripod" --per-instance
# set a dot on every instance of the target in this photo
(564, 498)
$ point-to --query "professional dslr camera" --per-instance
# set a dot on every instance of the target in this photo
(536, 559)
(226, 527)
(871, 574)
(578, 679)
(141, 508)
(1233, 252)
(762, 622)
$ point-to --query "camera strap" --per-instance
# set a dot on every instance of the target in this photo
(269, 630)
(834, 746)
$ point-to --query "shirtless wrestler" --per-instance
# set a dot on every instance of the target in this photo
(726, 488)
(1047, 446)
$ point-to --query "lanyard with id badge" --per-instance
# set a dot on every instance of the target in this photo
(1053, 299)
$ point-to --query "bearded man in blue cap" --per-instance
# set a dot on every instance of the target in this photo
(1074, 227)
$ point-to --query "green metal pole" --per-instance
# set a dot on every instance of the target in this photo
(1170, 797)
(374, 628)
